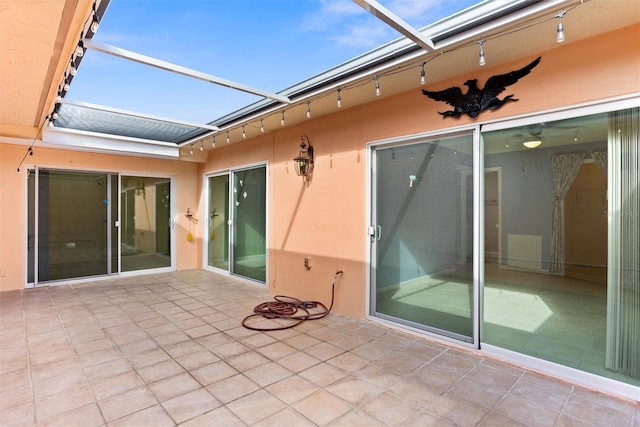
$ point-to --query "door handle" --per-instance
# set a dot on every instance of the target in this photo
(378, 232)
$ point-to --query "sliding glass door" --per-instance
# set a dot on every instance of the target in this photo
(237, 222)
(422, 235)
(565, 285)
(79, 227)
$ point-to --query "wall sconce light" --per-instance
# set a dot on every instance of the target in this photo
(304, 161)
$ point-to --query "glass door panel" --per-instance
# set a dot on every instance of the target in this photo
(422, 256)
(249, 223)
(145, 229)
(218, 247)
(71, 224)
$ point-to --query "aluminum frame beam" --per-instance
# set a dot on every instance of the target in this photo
(178, 69)
(397, 23)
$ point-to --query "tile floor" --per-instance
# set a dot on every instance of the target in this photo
(169, 349)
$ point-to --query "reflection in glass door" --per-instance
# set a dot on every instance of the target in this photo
(237, 222)
(218, 203)
(145, 227)
(422, 232)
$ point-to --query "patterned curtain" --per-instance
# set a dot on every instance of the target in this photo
(623, 281)
(564, 168)
(600, 157)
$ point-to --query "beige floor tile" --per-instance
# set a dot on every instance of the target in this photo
(85, 416)
(257, 340)
(213, 372)
(147, 358)
(256, 406)
(323, 374)
(159, 371)
(353, 390)
(59, 384)
(358, 418)
(292, 389)
(62, 402)
(218, 417)
(267, 373)
(322, 407)
(15, 379)
(348, 362)
(276, 350)
(201, 331)
(391, 409)
(19, 416)
(16, 396)
(99, 356)
(378, 375)
(298, 361)
(197, 359)
(116, 384)
(141, 345)
(127, 403)
(471, 391)
(427, 419)
(324, 351)
(285, 418)
(414, 391)
(171, 387)
(232, 388)
(104, 370)
(525, 411)
(591, 408)
(246, 361)
(231, 349)
(171, 338)
(190, 405)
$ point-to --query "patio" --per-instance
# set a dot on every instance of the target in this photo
(169, 349)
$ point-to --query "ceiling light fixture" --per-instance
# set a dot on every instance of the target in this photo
(482, 61)
(244, 134)
(560, 28)
(339, 98)
(261, 125)
(375, 78)
(191, 149)
(201, 145)
(228, 139)
(282, 119)
(422, 73)
(308, 109)
(213, 143)
(534, 143)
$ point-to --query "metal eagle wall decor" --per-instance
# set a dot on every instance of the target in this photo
(477, 100)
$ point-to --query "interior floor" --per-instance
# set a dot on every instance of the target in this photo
(555, 318)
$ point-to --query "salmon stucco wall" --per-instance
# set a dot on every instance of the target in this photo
(325, 220)
(13, 192)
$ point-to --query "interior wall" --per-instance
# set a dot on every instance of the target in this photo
(13, 193)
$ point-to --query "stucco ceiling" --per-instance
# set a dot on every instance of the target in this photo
(37, 38)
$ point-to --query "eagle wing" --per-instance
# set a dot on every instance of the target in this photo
(452, 96)
(496, 84)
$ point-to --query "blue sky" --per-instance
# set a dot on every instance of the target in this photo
(267, 44)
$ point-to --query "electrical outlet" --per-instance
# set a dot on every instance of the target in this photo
(307, 263)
